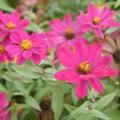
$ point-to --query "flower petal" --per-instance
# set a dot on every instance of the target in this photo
(92, 10)
(27, 54)
(67, 75)
(67, 57)
(95, 83)
(20, 59)
(81, 89)
(23, 23)
(36, 59)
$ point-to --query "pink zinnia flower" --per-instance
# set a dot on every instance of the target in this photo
(97, 19)
(84, 66)
(26, 47)
(3, 106)
(66, 30)
(11, 23)
(4, 56)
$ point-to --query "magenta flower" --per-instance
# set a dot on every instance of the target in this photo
(11, 23)
(3, 106)
(4, 56)
(26, 47)
(97, 19)
(84, 66)
(65, 30)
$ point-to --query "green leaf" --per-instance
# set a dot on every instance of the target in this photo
(42, 91)
(57, 104)
(33, 27)
(32, 103)
(10, 76)
(111, 30)
(26, 71)
(20, 86)
(2, 88)
(98, 114)
(106, 100)
(83, 109)
(4, 6)
(70, 108)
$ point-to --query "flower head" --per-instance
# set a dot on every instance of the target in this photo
(65, 30)
(25, 47)
(3, 105)
(97, 19)
(111, 46)
(4, 56)
(84, 66)
(11, 23)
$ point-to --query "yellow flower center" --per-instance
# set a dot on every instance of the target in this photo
(10, 25)
(2, 48)
(84, 67)
(26, 45)
(69, 33)
(96, 20)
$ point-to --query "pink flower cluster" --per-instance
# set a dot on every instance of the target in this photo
(16, 42)
(84, 63)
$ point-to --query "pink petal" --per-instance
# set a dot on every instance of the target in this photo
(3, 17)
(57, 25)
(104, 12)
(67, 57)
(104, 72)
(23, 35)
(94, 52)
(27, 54)
(98, 33)
(81, 89)
(36, 59)
(15, 38)
(113, 23)
(68, 20)
(15, 16)
(103, 61)
(92, 10)
(13, 50)
(4, 33)
(110, 15)
(20, 59)
(38, 40)
(95, 83)
(67, 75)
(23, 23)
(81, 51)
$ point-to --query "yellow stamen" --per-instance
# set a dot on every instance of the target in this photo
(10, 25)
(84, 67)
(96, 20)
(69, 34)
(2, 48)
(26, 45)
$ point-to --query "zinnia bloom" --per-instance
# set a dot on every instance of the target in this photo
(26, 47)
(84, 66)
(3, 105)
(4, 56)
(11, 23)
(97, 19)
(66, 30)
(111, 46)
